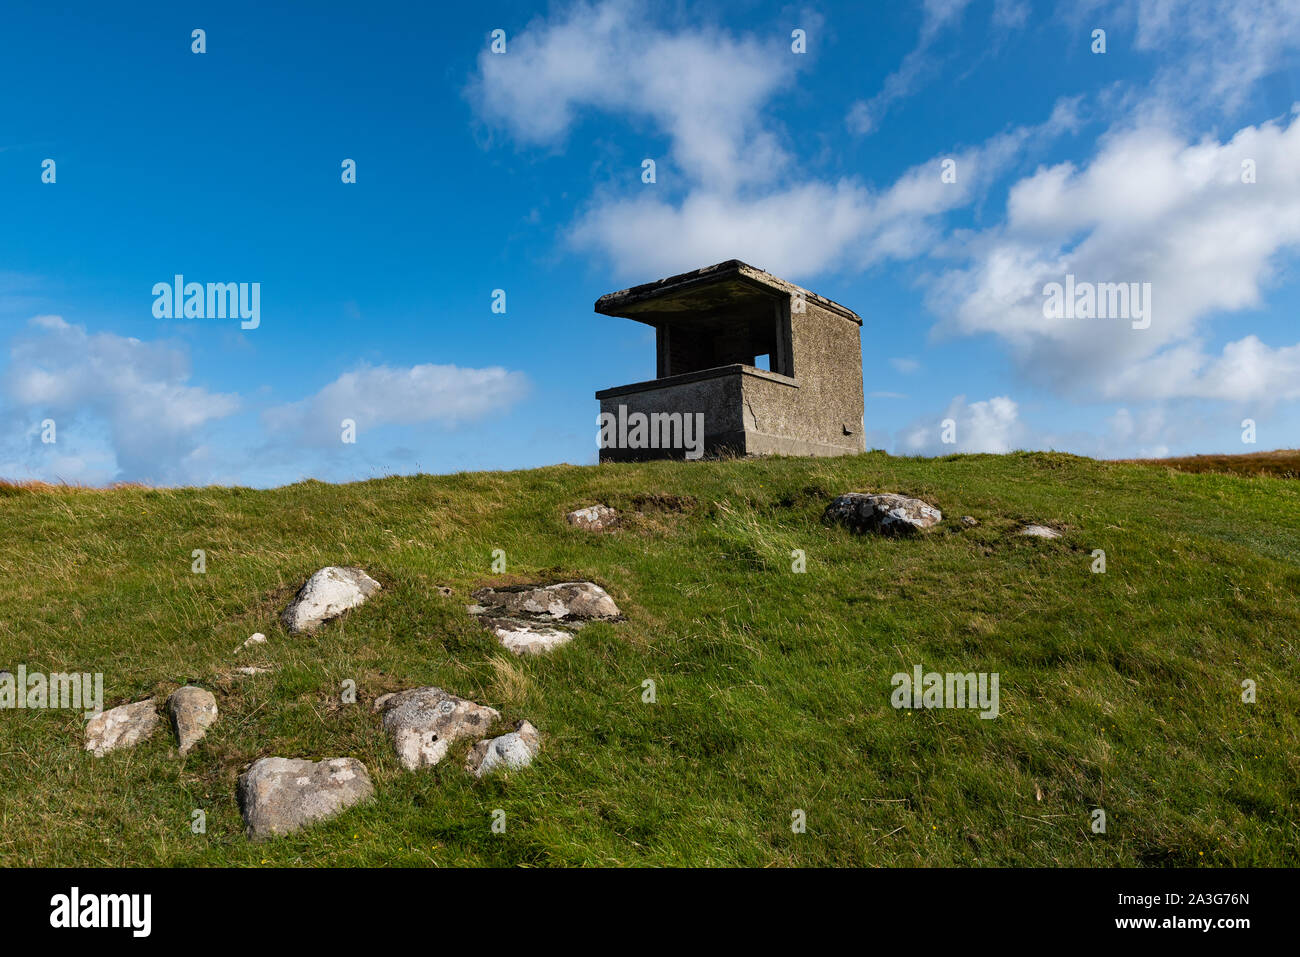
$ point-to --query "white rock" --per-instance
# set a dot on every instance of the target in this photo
(422, 723)
(121, 727)
(255, 639)
(884, 513)
(510, 751)
(1040, 531)
(594, 518)
(326, 595)
(526, 637)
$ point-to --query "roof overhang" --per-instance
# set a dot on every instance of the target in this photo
(729, 287)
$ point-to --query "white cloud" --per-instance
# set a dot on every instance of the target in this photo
(375, 396)
(139, 391)
(804, 229)
(904, 365)
(1149, 207)
(1224, 46)
(991, 425)
(704, 88)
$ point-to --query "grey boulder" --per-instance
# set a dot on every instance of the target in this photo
(422, 723)
(280, 795)
(564, 601)
(883, 513)
(192, 711)
(508, 752)
(526, 619)
(326, 595)
(121, 727)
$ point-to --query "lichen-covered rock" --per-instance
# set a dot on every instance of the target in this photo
(593, 518)
(422, 723)
(326, 595)
(969, 521)
(280, 795)
(565, 601)
(121, 727)
(527, 637)
(508, 752)
(1040, 531)
(192, 711)
(884, 513)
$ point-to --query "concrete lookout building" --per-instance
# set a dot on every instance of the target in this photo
(711, 327)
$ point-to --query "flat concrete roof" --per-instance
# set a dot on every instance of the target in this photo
(727, 285)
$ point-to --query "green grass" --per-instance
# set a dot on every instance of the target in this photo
(1119, 690)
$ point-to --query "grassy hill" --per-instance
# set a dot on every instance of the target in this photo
(1119, 690)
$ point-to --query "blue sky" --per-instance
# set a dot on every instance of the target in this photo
(521, 171)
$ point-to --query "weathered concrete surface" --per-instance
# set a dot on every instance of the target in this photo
(509, 752)
(884, 513)
(121, 727)
(280, 795)
(326, 595)
(192, 711)
(422, 723)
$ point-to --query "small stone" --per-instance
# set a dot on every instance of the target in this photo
(251, 670)
(593, 518)
(1040, 531)
(444, 591)
(121, 727)
(280, 795)
(192, 711)
(968, 521)
(422, 723)
(255, 639)
(326, 595)
(510, 751)
(884, 514)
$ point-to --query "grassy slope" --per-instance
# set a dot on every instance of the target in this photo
(1118, 690)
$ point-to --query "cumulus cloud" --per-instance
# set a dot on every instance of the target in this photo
(125, 410)
(139, 390)
(375, 396)
(709, 92)
(702, 87)
(990, 425)
(807, 228)
(1153, 208)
